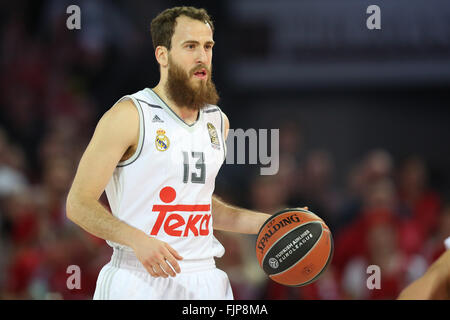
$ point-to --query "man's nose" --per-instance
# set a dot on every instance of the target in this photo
(201, 56)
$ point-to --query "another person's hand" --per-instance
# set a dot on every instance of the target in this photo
(433, 285)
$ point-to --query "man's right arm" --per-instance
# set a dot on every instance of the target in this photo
(116, 131)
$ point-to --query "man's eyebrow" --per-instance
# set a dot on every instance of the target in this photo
(197, 42)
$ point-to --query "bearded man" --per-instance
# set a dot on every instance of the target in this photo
(156, 154)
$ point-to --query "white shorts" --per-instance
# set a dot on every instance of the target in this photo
(125, 278)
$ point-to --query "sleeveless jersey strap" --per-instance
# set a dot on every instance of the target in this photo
(222, 130)
(141, 131)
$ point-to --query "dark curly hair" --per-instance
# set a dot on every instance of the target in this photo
(163, 26)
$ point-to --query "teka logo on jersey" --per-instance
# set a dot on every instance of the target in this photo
(274, 228)
(173, 223)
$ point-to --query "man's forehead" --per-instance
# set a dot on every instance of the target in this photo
(191, 28)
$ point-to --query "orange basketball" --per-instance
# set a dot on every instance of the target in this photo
(294, 247)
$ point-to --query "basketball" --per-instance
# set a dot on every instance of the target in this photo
(294, 247)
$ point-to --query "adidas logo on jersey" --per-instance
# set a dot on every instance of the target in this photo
(157, 119)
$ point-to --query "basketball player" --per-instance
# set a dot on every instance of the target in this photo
(156, 153)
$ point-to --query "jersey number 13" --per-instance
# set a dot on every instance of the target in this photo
(200, 174)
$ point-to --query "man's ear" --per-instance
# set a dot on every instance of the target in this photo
(162, 56)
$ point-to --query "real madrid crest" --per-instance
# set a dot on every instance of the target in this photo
(213, 136)
(162, 142)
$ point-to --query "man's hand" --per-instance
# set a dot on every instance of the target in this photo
(158, 257)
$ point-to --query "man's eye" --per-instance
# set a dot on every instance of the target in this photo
(191, 46)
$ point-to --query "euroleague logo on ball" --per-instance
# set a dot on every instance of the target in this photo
(273, 263)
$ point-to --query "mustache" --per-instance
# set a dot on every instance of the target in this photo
(198, 68)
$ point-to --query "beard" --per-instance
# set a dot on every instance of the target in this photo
(182, 92)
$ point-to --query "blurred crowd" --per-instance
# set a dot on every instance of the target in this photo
(49, 105)
(385, 214)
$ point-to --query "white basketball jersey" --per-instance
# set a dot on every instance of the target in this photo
(165, 188)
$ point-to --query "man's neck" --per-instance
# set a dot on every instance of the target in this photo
(189, 116)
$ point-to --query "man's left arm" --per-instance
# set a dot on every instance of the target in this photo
(230, 218)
